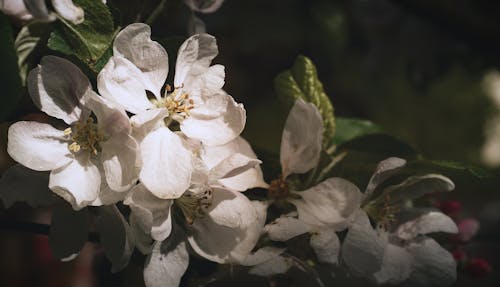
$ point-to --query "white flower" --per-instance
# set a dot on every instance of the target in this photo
(74, 155)
(29, 9)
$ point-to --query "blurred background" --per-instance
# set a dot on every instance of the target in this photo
(426, 71)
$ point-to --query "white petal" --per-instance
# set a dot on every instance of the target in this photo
(107, 196)
(121, 162)
(122, 82)
(232, 166)
(58, 88)
(21, 184)
(143, 241)
(302, 138)
(326, 245)
(434, 265)
(204, 6)
(285, 227)
(68, 10)
(134, 43)
(212, 155)
(216, 121)
(77, 182)
(167, 164)
(68, 231)
(234, 225)
(144, 122)
(362, 249)
(38, 9)
(111, 118)
(151, 213)
(433, 221)
(262, 255)
(332, 202)
(164, 268)
(384, 170)
(16, 9)
(192, 67)
(277, 265)
(396, 266)
(38, 146)
(115, 236)
(416, 186)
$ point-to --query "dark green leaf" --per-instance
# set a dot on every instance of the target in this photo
(349, 128)
(301, 82)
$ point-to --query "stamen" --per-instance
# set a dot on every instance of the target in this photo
(178, 106)
(84, 136)
(194, 204)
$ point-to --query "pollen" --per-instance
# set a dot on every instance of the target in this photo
(194, 204)
(383, 211)
(177, 103)
(84, 136)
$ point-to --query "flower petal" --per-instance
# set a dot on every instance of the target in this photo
(39, 10)
(233, 165)
(429, 222)
(285, 228)
(115, 236)
(121, 162)
(166, 267)
(111, 118)
(58, 87)
(122, 82)
(331, 202)
(204, 6)
(384, 170)
(151, 213)
(363, 249)
(21, 184)
(277, 265)
(134, 43)
(68, 10)
(396, 266)
(38, 146)
(416, 186)
(262, 255)
(326, 245)
(302, 138)
(146, 121)
(167, 164)
(215, 121)
(77, 182)
(68, 231)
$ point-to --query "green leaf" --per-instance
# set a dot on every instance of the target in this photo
(91, 40)
(349, 128)
(10, 82)
(301, 82)
(28, 42)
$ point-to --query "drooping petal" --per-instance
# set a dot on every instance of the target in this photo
(429, 222)
(416, 186)
(285, 228)
(434, 265)
(302, 138)
(21, 184)
(121, 162)
(384, 170)
(38, 146)
(69, 11)
(234, 224)
(233, 165)
(167, 164)
(362, 249)
(326, 245)
(115, 236)
(58, 87)
(216, 121)
(151, 214)
(164, 268)
(396, 266)
(78, 182)
(68, 231)
(134, 43)
(209, 6)
(123, 83)
(192, 67)
(331, 202)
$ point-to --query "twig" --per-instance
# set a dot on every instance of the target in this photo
(156, 12)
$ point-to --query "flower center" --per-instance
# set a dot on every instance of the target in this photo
(176, 102)
(278, 189)
(194, 204)
(382, 211)
(84, 136)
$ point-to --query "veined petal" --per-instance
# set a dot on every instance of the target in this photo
(166, 267)
(121, 162)
(38, 146)
(332, 202)
(363, 249)
(151, 213)
(416, 186)
(115, 236)
(429, 222)
(326, 245)
(302, 138)
(68, 10)
(396, 266)
(167, 164)
(77, 182)
(285, 228)
(58, 87)
(122, 82)
(216, 121)
(134, 43)
(68, 231)
(21, 184)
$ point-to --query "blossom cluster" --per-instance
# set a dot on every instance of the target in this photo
(172, 155)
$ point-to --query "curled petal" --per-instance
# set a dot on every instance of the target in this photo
(429, 222)
(384, 170)
(416, 186)
(68, 10)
